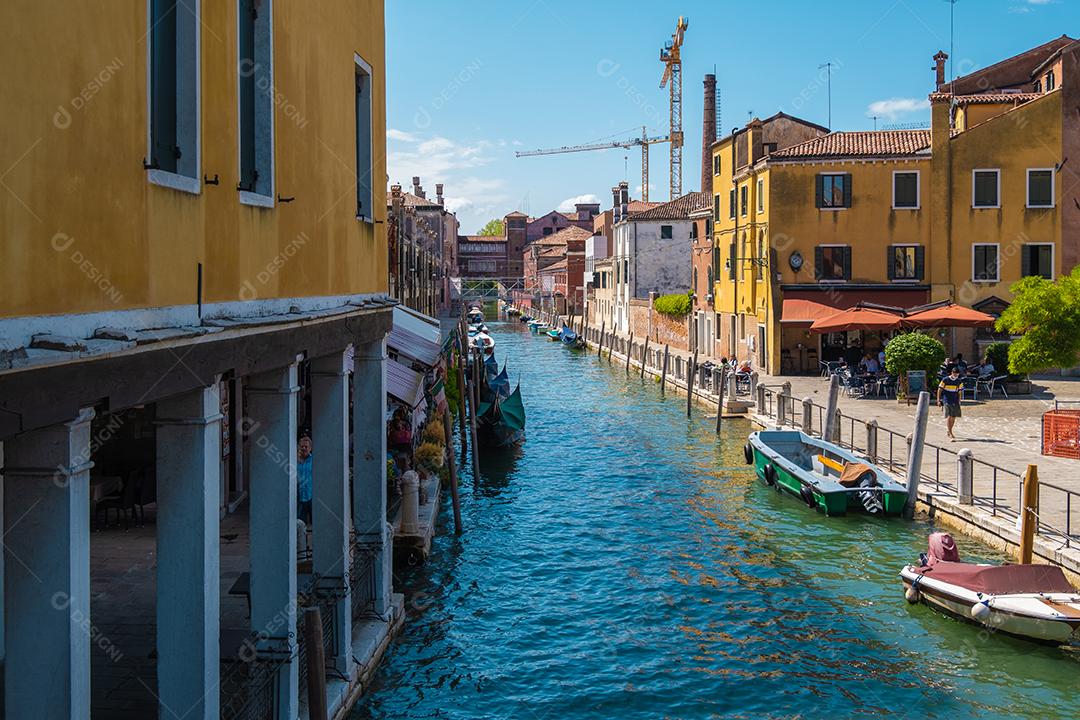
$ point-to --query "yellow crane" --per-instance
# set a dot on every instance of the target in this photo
(671, 56)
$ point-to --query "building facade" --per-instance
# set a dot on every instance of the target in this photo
(423, 248)
(958, 212)
(194, 264)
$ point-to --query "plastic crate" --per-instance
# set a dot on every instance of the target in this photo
(1061, 433)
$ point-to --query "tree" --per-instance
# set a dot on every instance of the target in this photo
(1046, 317)
(494, 228)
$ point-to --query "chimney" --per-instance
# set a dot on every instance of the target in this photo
(624, 199)
(438, 193)
(757, 148)
(939, 67)
(708, 134)
(616, 202)
(416, 189)
(395, 198)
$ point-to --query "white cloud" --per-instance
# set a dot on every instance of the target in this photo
(437, 156)
(892, 108)
(568, 204)
(393, 134)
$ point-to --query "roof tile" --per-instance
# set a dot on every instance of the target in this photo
(878, 143)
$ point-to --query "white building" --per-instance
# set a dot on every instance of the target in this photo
(652, 253)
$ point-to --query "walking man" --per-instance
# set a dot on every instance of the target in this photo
(948, 396)
(303, 479)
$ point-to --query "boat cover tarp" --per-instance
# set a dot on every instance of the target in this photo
(854, 473)
(1000, 579)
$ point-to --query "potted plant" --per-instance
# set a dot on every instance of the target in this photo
(913, 351)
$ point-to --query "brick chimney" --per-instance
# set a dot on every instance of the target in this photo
(708, 133)
(939, 67)
(757, 148)
(416, 189)
(438, 193)
(624, 199)
(616, 216)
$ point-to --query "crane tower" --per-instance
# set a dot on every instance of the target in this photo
(671, 56)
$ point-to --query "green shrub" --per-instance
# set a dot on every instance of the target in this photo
(677, 305)
(998, 354)
(914, 351)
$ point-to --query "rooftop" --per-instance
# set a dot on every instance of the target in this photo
(482, 238)
(563, 237)
(678, 209)
(877, 143)
(987, 98)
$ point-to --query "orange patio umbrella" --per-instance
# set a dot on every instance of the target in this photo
(858, 318)
(949, 316)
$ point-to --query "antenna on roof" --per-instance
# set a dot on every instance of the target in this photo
(828, 71)
(923, 125)
(875, 121)
(952, 54)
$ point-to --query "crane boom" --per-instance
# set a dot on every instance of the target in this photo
(671, 56)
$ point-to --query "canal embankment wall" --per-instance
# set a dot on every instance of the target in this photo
(940, 496)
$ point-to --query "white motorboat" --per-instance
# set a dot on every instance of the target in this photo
(1035, 602)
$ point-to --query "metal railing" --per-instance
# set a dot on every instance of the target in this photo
(1005, 486)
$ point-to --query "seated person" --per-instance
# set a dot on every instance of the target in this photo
(881, 358)
(869, 365)
(986, 369)
(960, 363)
(745, 367)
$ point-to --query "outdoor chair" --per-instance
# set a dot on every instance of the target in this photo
(969, 389)
(994, 383)
(123, 502)
(852, 385)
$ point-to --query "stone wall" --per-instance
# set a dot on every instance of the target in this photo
(661, 329)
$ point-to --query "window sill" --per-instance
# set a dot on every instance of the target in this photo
(256, 200)
(1040, 207)
(174, 181)
(832, 282)
(986, 281)
(833, 209)
(907, 281)
(906, 207)
(986, 207)
(366, 219)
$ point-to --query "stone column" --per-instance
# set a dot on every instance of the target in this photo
(188, 560)
(369, 466)
(330, 511)
(272, 468)
(965, 473)
(47, 624)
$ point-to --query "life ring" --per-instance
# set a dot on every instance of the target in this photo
(770, 475)
(807, 494)
(748, 453)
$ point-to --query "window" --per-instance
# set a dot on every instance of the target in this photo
(833, 190)
(985, 185)
(695, 281)
(1040, 188)
(255, 83)
(761, 195)
(1037, 259)
(548, 231)
(984, 262)
(743, 194)
(832, 262)
(693, 230)
(905, 194)
(761, 255)
(716, 208)
(1038, 86)
(716, 165)
(665, 232)
(731, 204)
(732, 260)
(1051, 81)
(906, 262)
(769, 147)
(364, 159)
(174, 95)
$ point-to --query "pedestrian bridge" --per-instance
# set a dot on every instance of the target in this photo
(484, 289)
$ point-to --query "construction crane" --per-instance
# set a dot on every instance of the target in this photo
(671, 56)
(644, 142)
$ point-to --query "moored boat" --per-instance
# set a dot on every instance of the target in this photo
(823, 475)
(474, 316)
(568, 336)
(1035, 602)
(501, 422)
(553, 334)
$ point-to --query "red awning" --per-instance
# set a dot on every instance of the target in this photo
(949, 316)
(805, 311)
(858, 319)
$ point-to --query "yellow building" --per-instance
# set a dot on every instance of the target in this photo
(901, 217)
(193, 269)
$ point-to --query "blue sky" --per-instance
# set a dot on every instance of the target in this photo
(470, 82)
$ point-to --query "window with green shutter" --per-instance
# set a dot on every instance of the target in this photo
(833, 190)
(905, 262)
(1037, 260)
(832, 262)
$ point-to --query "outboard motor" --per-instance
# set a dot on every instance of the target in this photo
(942, 547)
(870, 498)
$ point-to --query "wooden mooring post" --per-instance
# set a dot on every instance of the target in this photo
(914, 468)
(474, 402)
(629, 351)
(663, 370)
(454, 498)
(644, 357)
(718, 377)
(1029, 513)
(600, 345)
(691, 378)
(316, 663)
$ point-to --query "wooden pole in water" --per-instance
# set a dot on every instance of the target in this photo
(453, 475)
(600, 345)
(316, 663)
(1029, 519)
(629, 350)
(462, 350)
(644, 357)
(829, 431)
(611, 344)
(663, 371)
(914, 467)
(718, 374)
(474, 402)
(690, 384)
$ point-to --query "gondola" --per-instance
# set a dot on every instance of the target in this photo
(501, 422)
(568, 336)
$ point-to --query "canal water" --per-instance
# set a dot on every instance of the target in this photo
(625, 563)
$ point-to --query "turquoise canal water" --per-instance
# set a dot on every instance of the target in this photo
(625, 563)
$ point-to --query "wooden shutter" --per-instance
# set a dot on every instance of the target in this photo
(847, 190)
(731, 257)
(1025, 261)
(847, 262)
(819, 191)
(819, 259)
(890, 261)
(920, 262)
